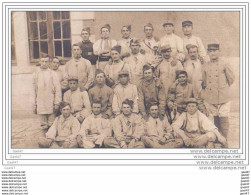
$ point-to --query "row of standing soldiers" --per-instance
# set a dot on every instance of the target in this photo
(138, 91)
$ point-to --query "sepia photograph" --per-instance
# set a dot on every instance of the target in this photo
(125, 79)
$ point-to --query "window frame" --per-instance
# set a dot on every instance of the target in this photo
(50, 36)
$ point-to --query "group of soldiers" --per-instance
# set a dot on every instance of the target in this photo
(131, 93)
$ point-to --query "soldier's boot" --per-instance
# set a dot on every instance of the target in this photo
(224, 127)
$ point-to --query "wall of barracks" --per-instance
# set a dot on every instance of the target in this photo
(210, 26)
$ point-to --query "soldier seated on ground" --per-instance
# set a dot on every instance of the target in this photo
(195, 129)
(128, 129)
(79, 101)
(63, 132)
(158, 132)
(94, 129)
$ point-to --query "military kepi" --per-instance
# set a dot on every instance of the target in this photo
(213, 46)
(187, 23)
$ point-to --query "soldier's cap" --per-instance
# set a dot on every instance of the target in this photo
(165, 48)
(123, 72)
(147, 67)
(87, 29)
(187, 23)
(72, 78)
(179, 72)
(106, 26)
(99, 71)
(116, 48)
(128, 102)
(191, 100)
(129, 27)
(135, 41)
(168, 22)
(213, 46)
(149, 25)
(189, 46)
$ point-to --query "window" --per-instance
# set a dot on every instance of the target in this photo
(50, 33)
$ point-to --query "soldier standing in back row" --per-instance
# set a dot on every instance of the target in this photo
(87, 47)
(217, 78)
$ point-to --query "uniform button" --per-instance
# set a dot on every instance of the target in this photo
(216, 75)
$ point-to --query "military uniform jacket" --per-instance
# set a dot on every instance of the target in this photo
(63, 128)
(103, 94)
(79, 102)
(81, 69)
(149, 91)
(47, 90)
(124, 92)
(96, 125)
(217, 78)
(156, 127)
(124, 127)
(87, 51)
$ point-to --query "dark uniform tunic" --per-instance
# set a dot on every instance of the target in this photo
(87, 51)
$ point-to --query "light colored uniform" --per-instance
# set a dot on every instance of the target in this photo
(125, 46)
(193, 69)
(79, 101)
(217, 77)
(127, 130)
(197, 127)
(193, 40)
(103, 44)
(80, 69)
(155, 130)
(47, 91)
(176, 44)
(134, 64)
(63, 132)
(112, 71)
(93, 131)
(124, 92)
(167, 73)
(148, 46)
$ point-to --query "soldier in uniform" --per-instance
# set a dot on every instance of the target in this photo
(158, 132)
(166, 70)
(217, 77)
(125, 41)
(124, 90)
(102, 47)
(87, 46)
(150, 89)
(173, 40)
(193, 67)
(135, 62)
(128, 129)
(195, 129)
(94, 129)
(79, 101)
(101, 92)
(189, 38)
(149, 46)
(112, 69)
(47, 93)
(80, 68)
(63, 132)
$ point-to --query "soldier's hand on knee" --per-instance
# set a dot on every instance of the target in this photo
(80, 139)
(162, 140)
(187, 142)
(222, 140)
